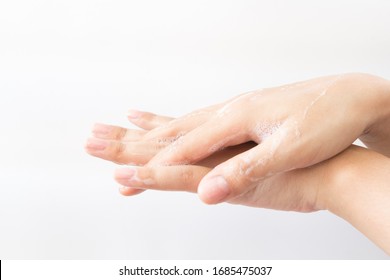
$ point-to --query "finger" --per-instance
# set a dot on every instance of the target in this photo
(225, 154)
(104, 131)
(242, 172)
(202, 142)
(167, 178)
(146, 120)
(295, 190)
(135, 153)
(129, 191)
(208, 162)
(182, 125)
(298, 189)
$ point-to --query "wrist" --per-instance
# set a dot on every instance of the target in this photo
(358, 191)
(373, 93)
(338, 173)
(374, 96)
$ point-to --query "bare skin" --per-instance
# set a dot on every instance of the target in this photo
(330, 184)
(295, 125)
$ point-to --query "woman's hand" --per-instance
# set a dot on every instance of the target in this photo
(296, 126)
(126, 146)
(353, 185)
(284, 191)
(331, 184)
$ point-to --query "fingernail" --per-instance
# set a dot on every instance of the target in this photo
(125, 173)
(101, 129)
(96, 144)
(133, 114)
(214, 190)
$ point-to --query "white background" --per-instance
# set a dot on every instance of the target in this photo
(67, 64)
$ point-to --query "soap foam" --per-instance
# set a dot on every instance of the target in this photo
(147, 181)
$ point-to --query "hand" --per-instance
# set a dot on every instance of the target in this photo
(294, 191)
(127, 146)
(296, 126)
(328, 185)
(120, 145)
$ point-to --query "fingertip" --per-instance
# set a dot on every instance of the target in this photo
(124, 173)
(124, 191)
(101, 130)
(213, 190)
(133, 114)
(129, 191)
(94, 145)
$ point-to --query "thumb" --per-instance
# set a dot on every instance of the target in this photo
(244, 171)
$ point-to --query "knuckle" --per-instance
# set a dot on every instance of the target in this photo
(187, 175)
(148, 117)
(160, 144)
(160, 132)
(244, 173)
(183, 157)
(120, 133)
(119, 151)
(172, 131)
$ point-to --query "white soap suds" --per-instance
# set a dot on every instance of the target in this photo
(147, 181)
(170, 149)
(274, 136)
(176, 141)
(279, 133)
(171, 140)
(263, 130)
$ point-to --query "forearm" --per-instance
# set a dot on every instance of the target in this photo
(359, 192)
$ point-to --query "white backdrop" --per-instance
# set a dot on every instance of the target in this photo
(67, 64)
